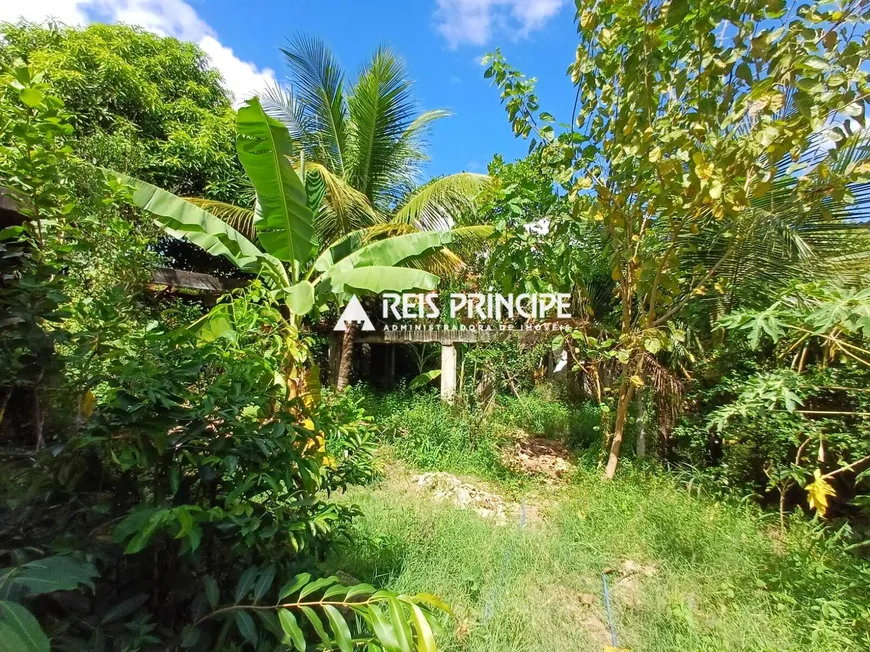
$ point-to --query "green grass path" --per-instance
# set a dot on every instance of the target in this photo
(688, 573)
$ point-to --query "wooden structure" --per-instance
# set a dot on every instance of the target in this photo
(447, 338)
(208, 283)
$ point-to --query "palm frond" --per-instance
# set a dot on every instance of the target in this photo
(438, 204)
(381, 109)
(280, 103)
(344, 208)
(785, 235)
(317, 81)
(238, 217)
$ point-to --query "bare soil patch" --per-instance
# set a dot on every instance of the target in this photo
(539, 456)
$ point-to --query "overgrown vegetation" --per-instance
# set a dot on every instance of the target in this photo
(177, 479)
(685, 572)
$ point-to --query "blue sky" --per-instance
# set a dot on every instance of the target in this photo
(441, 40)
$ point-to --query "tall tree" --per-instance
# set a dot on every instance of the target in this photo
(701, 123)
(367, 138)
(151, 106)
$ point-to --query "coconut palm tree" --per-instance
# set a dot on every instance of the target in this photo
(367, 140)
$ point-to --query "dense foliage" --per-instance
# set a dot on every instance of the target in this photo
(194, 464)
(143, 104)
(175, 473)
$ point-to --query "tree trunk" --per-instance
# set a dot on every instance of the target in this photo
(346, 361)
(626, 390)
(640, 445)
(38, 418)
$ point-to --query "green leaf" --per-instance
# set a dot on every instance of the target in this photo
(284, 222)
(817, 63)
(291, 629)
(264, 582)
(425, 637)
(246, 626)
(317, 585)
(32, 97)
(246, 582)
(339, 628)
(383, 279)
(300, 298)
(400, 625)
(124, 608)
(433, 600)
(334, 591)
(217, 323)
(391, 251)
(425, 378)
(359, 589)
(316, 623)
(212, 593)
(294, 585)
(183, 220)
(189, 636)
(51, 574)
(19, 630)
(384, 630)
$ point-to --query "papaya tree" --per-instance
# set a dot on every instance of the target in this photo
(700, 128)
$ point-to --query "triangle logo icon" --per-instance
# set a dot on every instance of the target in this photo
(354, 312)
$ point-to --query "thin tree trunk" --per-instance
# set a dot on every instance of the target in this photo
(626, 390)
(640, 445)
(38, 418)
(346, 362)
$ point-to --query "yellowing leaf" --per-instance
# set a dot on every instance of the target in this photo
(818, 491)
(311, 386)
(89, 401)
(703, 168)
(637, 381)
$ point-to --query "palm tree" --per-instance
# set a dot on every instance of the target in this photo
(367, 140)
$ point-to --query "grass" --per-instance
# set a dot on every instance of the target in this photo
(689, 572)
(429, 435)
(709, 576)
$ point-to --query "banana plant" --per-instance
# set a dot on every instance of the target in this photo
(303, 275)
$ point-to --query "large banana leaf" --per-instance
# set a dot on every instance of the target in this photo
(185, 221)
(339, 250)
(285, 223)
(377, 279)
(392, 251)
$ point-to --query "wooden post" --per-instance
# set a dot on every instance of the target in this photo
(448, 372)
(391, 367)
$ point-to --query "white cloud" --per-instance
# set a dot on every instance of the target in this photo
(474, 21)
(164, 17)
(66, 11)
(242, 78)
